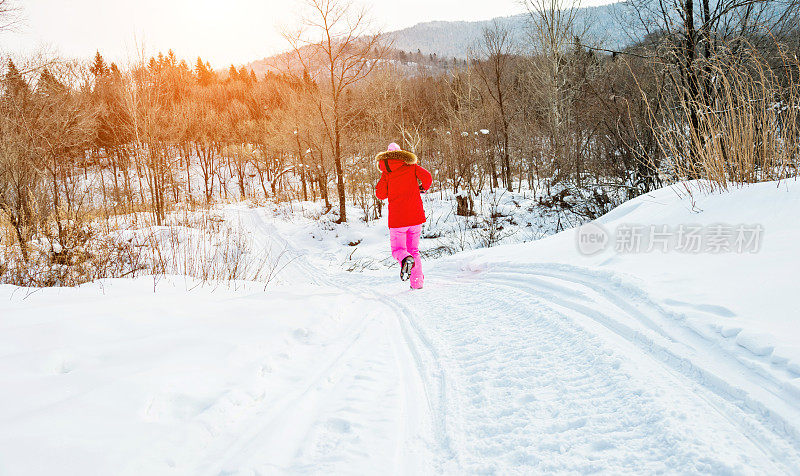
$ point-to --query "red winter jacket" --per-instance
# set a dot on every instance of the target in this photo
(398, 183)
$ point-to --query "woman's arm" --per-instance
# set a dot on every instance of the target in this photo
(382, 188)
(424, 176)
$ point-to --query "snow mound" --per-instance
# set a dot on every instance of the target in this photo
(725, 314)
(749, 297)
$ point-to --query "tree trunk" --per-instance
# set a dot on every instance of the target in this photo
(339, 171)
(692, 89)
(302, 166)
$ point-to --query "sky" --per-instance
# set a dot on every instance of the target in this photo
(222, 32)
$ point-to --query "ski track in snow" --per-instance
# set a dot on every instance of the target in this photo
(530, 390)
(503, 370)
(315, 448)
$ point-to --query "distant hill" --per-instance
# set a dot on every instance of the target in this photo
(455, 39)
(409, 64)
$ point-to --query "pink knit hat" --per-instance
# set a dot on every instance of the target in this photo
(393, 147)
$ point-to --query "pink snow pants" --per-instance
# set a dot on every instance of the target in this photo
(405, 242)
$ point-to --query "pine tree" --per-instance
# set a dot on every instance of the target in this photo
(253, 78)
(98, 67)
(171, 60)
(114, 71)
(204, 74)
(16, 86)
(211, 75)
(233, 75)
(243, 76)
(48, 84)
(198, 68)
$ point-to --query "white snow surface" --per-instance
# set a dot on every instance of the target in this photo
(519, 359)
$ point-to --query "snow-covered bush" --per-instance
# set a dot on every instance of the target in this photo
(200, 244)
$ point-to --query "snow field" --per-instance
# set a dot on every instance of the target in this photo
(520, 359)
(202, 382)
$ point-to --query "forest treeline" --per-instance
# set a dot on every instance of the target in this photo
(708, 90)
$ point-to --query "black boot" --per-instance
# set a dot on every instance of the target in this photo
(405, 268)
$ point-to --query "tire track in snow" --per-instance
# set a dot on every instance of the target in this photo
(531, 391)
(685, 369)
(415, 341)
(322, 428)
(682, 349)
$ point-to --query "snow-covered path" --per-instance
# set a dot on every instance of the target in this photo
(505, 369)
(532, 387)
(553, 368)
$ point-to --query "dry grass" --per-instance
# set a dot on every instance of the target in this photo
(749, 132)
(201, 245)
(198, 244)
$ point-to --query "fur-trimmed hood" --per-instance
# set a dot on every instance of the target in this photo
(401, 155)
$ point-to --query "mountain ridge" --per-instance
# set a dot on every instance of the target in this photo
(456, 39)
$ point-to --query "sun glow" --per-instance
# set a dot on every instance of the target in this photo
(236, 31)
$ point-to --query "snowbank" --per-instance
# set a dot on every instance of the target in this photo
(743, 300)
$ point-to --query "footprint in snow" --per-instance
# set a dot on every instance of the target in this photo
(527, 398)
(60, 364)
(601, 445)
(301, 334)
(339, 425)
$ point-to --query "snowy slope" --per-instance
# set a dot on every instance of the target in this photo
(519, 359)
(745, 302)
(116, 378)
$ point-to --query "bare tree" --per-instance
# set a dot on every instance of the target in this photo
(337, 48)
(693, 37)
(554, 29)
(9, 14)
(463, 116)
(42, 129)
(495, 72)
